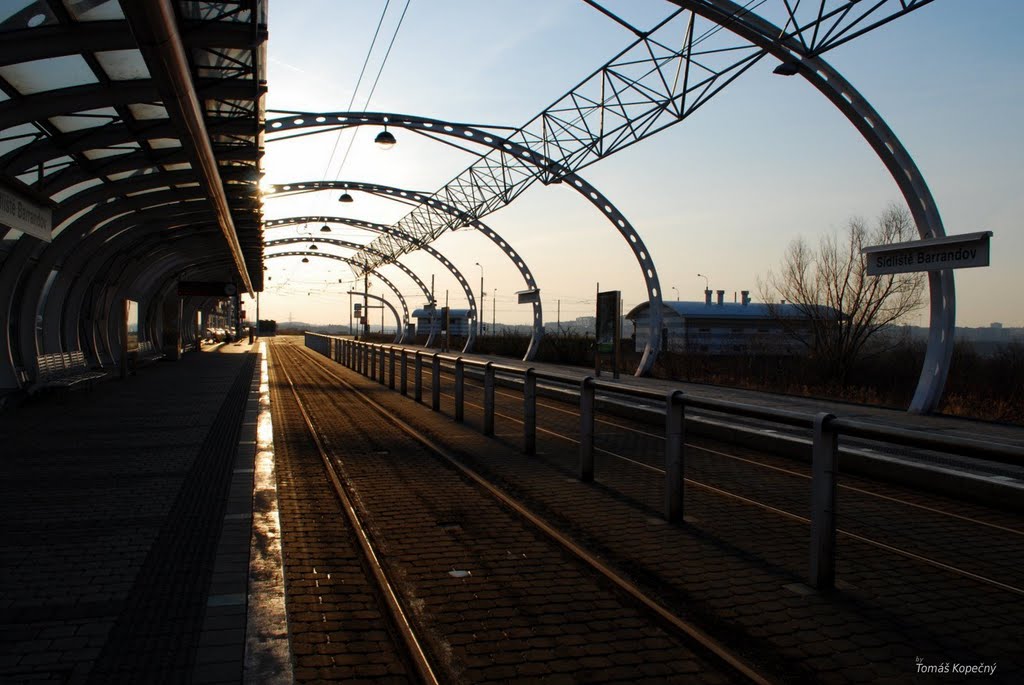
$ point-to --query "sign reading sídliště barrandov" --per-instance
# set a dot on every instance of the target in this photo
(949, 252)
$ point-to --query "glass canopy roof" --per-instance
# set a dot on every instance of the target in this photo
(87, 109)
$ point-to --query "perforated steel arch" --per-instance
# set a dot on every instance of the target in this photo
(400, 337)
(537, 329)
(552, 173)
(383, 302)
(794, 51)
(426, 248)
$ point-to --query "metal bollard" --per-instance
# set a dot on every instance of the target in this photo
(587, 429)
(824, 468)
(403, 373)
(435, 383)
(675, 422)
(460, 378)
(530, 411)
(391, 368)
(417, 380)
(489, 398)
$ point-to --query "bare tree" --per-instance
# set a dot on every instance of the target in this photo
(837, 308)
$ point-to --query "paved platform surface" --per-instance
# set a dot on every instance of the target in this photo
(125, 551)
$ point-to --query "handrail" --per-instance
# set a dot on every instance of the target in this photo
(826, 428)
(1001, 452)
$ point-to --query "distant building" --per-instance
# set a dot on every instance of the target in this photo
(722, 327)
(458, 321)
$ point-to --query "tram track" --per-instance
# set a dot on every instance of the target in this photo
(924, 554)
(321, 415)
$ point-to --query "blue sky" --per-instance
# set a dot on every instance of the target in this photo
(722, 193)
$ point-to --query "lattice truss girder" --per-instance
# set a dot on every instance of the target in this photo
(658, 81)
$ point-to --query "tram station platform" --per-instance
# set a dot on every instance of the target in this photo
(128, 547)
(127, 513)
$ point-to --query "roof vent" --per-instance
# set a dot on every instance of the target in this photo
(721, 297)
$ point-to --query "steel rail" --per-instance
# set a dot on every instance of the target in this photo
(703, 640)
(798, 517)
(752, 462)
(404, 627)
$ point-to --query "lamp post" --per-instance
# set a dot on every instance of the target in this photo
(479, 315)
(677, 292)
(494, 308)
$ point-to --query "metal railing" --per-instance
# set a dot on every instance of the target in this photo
(825, 427)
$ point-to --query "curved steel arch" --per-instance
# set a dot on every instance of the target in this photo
(405, 306)
(387, 304)
(398, 194)
(426, 248)
(546, 169)
(892, 153)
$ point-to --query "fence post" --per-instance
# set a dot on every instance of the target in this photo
(391, 367)
(824, 469)
(403, 373)
(675, 428)
(382, 368)
(530, 411)
(460, 377)
(417, 381)
(435, 382)
(587, 429)
(489, 398)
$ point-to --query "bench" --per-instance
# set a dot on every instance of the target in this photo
(63, 370)
(147, 352)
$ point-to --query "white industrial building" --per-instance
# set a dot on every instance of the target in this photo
(719, 327)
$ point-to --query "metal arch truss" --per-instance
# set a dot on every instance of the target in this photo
(400, 337)
(358, 265)
(508, 170)
(398, 194)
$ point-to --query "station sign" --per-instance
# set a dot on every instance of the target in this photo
(22, 214)
(528, 296)
(962, 251)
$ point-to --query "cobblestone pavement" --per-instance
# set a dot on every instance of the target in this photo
(495, 600)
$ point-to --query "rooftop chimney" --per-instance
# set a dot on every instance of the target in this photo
(707, 297)
(721, 297)
(746, 297)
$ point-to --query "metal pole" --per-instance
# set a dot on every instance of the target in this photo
(587, 429)
(435, 382)
(418, 377)
(460, 375)
(494, 309)
(530, 411)
(489, 398)
(391, 370)
(675, 422)
(366, 305)
(824, 468)
(403, 373)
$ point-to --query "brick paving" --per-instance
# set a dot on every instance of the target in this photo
(113, 501)
(740, 571)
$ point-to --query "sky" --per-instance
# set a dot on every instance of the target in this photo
(722, 193)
